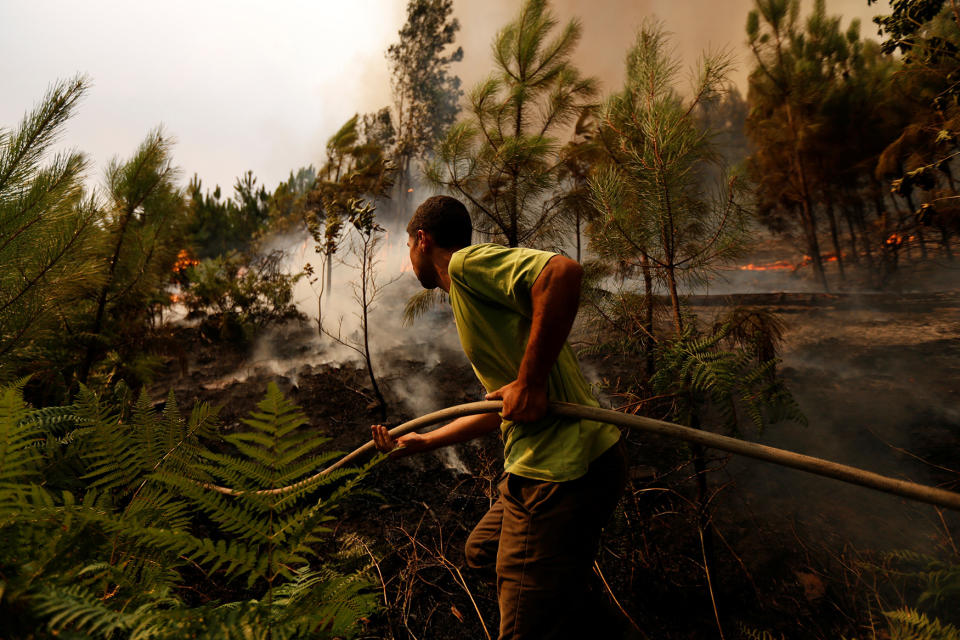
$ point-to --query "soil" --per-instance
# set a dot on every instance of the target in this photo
(876, 376)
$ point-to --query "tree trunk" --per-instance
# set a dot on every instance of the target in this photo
(923, 242)
(944, 231)
(329, 286)
(102, 300)
(864, 236)
(365, 274)
(674, 299)
(810, 223)
(648, 314)
(813, 246)
(835, 236)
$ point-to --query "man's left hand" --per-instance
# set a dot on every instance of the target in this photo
(521, 402)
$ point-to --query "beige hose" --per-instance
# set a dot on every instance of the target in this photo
(853, 475)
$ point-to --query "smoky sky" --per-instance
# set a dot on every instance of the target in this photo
(261, 86)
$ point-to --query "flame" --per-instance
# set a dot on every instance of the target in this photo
(185, 260)
(175, 298)
(786, 265)
(895, 239)
(779, 265)
(409, 190)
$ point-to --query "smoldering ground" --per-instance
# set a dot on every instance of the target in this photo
(873, 372)
(876, 376)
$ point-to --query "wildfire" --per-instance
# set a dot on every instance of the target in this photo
(895, 239)
(786, 265)
(779, 265)
(409, 190)
(185, 260)
(175, 298)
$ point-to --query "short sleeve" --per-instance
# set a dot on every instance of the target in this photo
(501, 275)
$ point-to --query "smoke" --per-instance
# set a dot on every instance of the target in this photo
(875, 378)
(405, 359)
(610, 27)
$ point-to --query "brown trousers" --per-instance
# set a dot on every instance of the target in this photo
(541, 539)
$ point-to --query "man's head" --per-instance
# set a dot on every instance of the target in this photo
(441, 224)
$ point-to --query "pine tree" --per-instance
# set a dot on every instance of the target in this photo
(503, 159)
(218, 226)
(426, 96)
(654, 211)
(49, 235)
(144, 229)
(921, 161)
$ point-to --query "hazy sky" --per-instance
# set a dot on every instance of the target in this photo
(261, 86)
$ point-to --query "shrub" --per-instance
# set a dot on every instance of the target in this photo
(239, 296)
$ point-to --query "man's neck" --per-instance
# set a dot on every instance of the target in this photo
(441, 262)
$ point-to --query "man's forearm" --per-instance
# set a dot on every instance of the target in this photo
(556, 297)
(462, 429)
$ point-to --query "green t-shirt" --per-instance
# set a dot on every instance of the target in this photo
(490, 294)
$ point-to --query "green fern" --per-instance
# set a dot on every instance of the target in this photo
(19, 454)
(700, 373)
(910, 624)
(938, 579)
(280, 529)
(422, 302)
(121, 559)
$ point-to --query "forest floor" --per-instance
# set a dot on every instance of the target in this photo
(875, 374)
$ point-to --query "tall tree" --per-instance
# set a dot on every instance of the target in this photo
(796, 71)
(426, 96)
(923, 160)
(144, 227)
(288, 204)
(220, 225)
(580, 158)
(503, 159)
(358, 171)
(358, 167)
(48, 233)
(654, 210)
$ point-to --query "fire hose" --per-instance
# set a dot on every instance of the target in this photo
(810, 464)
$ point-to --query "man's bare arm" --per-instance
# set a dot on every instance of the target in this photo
(460, 430)
(556, 297)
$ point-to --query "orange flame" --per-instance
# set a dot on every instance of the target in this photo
(786, 265)
(779, 265)
(185, 260)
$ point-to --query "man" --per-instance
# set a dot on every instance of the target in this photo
(513, 310)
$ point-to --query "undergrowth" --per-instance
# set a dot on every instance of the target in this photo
(111, 524)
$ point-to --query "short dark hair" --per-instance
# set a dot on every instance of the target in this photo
(446, 220)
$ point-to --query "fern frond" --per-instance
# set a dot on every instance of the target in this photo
(910, 624)
(422, 303)
(19, 437)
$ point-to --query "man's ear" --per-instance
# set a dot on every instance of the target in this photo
(424, 241)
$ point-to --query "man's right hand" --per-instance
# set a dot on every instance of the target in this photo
(402, 446)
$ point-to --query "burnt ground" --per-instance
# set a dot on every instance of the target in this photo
(876, 375)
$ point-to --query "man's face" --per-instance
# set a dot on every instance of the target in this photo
(420, 261)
